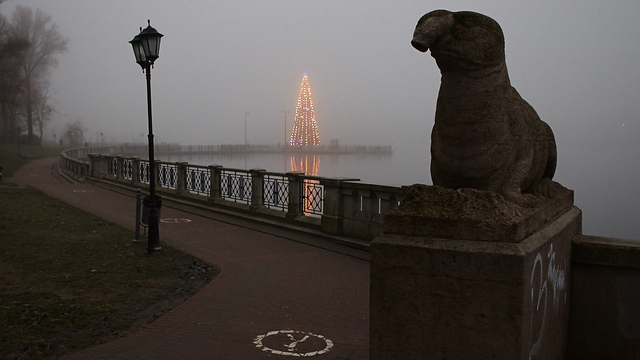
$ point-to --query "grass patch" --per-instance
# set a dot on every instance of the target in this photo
(11, 161)
(69, 280)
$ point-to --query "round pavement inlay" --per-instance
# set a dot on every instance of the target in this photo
(293, 343)
(175, 221)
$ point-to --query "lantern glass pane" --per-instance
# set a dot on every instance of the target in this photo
(157, 51)
(145, 44)
(141, 55)
(152, 50)
(138, 52)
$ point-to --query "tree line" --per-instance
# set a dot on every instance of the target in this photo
(29, 46)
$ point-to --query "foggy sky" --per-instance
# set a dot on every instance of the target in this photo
(576, 62)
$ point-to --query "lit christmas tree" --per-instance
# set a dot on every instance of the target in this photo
(305, 128)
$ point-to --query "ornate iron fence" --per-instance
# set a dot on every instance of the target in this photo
(127, 169)
(312, 197)
(235, 185)
(197, 180)
(310, 201)
(275, 192)
(112, 167)
(167, 175)
(143, 172)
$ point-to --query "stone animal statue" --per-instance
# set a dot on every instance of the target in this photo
(485, 135)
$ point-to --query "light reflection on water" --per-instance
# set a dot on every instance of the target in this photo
(308, 164)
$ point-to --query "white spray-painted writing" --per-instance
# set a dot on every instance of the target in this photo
(556, 277)
(556, 280)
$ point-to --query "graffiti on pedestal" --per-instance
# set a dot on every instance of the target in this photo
(548, 284)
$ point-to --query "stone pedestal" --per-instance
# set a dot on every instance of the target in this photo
(498, 291)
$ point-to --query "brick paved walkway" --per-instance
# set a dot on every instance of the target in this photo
(271, 280)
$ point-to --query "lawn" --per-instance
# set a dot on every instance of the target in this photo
(69, 280)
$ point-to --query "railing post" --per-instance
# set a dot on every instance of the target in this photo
(182, 177)
(94, 160)
(295, 185)
(257, 179)
(107, 160)
(369, 205)
(135, 171)
(85, 170)
(103, 166)
(214, 193)
(119, 162)
(331, 220)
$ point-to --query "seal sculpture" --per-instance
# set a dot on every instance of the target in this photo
(485, 135)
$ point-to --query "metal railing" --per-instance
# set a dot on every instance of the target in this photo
(198, 180)
(127, 169)
(143, 172)
(333, 205)
(167, 175)
(275, 191)
(235, 185)
(312, 197)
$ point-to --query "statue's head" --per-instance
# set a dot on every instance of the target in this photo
(462, 40)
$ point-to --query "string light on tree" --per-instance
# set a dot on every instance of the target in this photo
(305, 127)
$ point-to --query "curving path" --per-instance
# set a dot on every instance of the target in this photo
(271, 280)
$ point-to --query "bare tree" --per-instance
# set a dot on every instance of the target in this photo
(12, 56)
(42, 109)
(45, 44)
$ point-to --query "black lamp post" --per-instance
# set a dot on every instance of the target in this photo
(285, 127)
(146, 47)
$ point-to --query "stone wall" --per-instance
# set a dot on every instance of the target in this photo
(605, 304)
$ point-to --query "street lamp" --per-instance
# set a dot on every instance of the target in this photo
(146, 47)
(285, 126)
(245, 129)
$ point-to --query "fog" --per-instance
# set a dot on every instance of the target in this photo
(575, 62)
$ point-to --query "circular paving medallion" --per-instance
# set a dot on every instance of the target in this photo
(293, 343)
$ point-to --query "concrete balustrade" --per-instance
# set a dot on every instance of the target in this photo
(364, 208)
(336, 206)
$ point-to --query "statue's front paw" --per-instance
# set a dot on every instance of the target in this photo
(524, 200)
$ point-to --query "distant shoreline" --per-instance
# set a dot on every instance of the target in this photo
(258, 149)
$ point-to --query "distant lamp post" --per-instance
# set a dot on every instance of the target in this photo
(146, 47)
(245, 128)
(285, 126)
